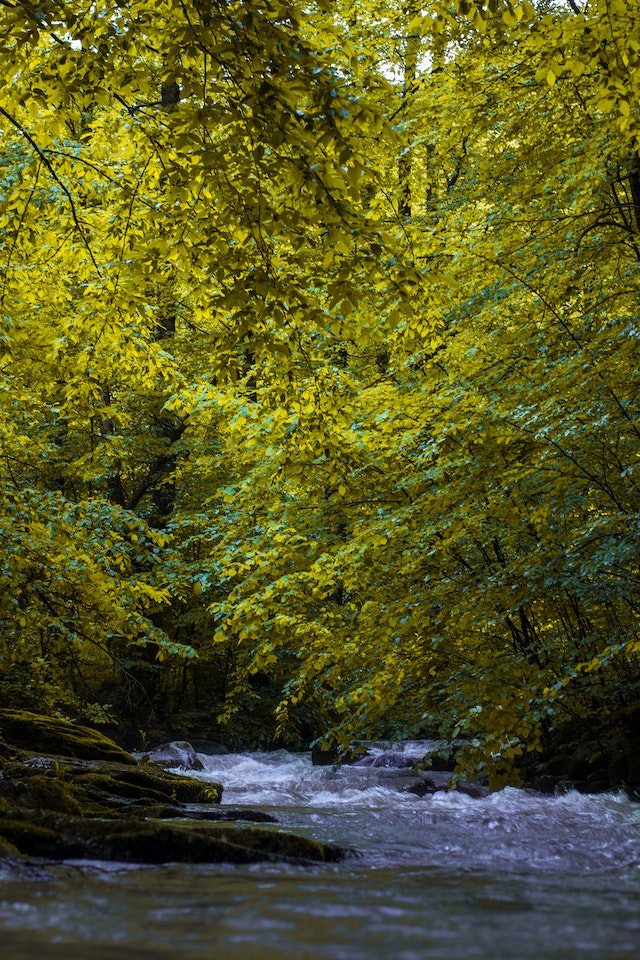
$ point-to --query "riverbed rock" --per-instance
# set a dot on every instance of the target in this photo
(473, 789)
(392, 761)
(177, 753)
(424, 788)
(155, 841)
(589, 766)
(437, 781)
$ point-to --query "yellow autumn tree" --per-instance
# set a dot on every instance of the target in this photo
(320, 365)
(473, 568)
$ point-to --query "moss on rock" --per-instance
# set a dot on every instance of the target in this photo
(28, 837)
(107, 780)
(104, 786)
(156, 841)
(31, 731)
(41, 791)
(191, 790)
(8, 851)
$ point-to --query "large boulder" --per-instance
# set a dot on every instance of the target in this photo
(156, 841)
(49, 735)
(178, 753)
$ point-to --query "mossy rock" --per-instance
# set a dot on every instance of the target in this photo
(192, 790)
(214, 814)
(27, 837)
(104, 780)
(71, 803)
(8, 852)
(103, 786)
(6, 753)
(31, 731)
(280, 844)
(233, 814)
(155, 842)
(96, 788)
(40, 791)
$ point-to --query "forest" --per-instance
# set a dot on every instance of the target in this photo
(319, 384)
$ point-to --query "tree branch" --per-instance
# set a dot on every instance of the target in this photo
(47, 163)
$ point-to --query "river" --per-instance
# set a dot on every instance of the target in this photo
(512, 876)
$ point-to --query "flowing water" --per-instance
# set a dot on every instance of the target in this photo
(513, 876)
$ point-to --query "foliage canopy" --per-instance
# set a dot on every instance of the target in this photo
(319, 384)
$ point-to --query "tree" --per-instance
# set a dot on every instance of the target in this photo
(320, 365)
(486, 582)
(159, 184)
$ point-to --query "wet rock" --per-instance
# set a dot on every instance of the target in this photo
(424, 788)
(324, 757)
(544, 783)
(231, 814)
(564, 785)
(393, 760)
(178, 753)
(155, 842)
(440, 780)
(49, 735)
(598, 785)
(472, 789)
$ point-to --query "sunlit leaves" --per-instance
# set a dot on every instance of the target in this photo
(321, 355)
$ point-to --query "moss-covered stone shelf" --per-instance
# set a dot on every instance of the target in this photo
(61, 738)
(97, 787)
(77, 804)
(135, 840)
